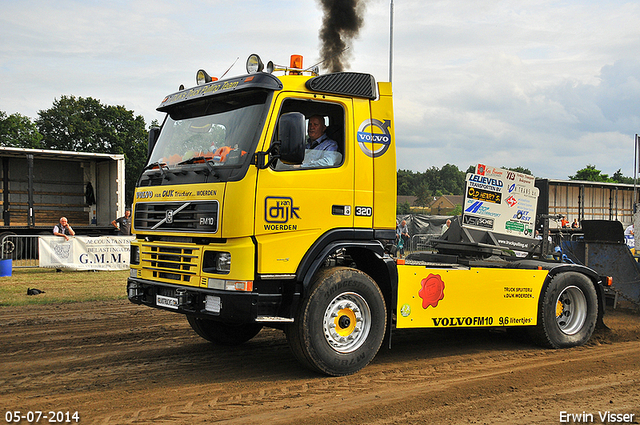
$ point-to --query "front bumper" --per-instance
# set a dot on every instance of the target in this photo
(227, 306)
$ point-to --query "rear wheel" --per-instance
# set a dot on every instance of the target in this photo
(222, 333)
(569, 312)
(341, 323)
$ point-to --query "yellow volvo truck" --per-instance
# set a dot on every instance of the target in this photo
(239, 225)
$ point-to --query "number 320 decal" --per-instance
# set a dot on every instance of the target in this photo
(364, 211)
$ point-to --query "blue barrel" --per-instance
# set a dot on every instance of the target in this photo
(6, 267)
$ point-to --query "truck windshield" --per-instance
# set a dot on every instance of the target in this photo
(219, 131)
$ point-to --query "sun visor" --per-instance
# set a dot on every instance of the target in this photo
(345, 83)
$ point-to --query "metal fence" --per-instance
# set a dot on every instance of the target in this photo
(420, 242)
(21, 249)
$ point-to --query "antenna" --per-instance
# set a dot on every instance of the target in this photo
(323, 61)
(391, 42)
(234, 62)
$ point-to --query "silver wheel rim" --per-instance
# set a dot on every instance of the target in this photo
(347, 322)
(571, 310)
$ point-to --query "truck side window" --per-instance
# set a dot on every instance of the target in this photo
(325, 134)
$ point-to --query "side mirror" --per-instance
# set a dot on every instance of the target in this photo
(291, 135)
(154, 132)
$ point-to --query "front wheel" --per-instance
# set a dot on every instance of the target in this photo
(222, 333)
(569, 311)
(341, 323)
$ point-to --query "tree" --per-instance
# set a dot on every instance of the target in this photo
(18, 131)
(407, 182)
(403, 209)
(431, 180)
(521, 170)
(86, 125)
(591, 174)
(453, 180)
(448, 180)
(423, 195)
(619, 178)
(457, 210)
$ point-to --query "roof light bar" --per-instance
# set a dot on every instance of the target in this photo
(254, 64)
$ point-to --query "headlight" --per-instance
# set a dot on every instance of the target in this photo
(223, 262)
(216, 262)
(134, 255)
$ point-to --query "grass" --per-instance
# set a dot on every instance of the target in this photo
(65, 287)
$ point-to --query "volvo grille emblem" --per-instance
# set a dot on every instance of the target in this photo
(168, 215)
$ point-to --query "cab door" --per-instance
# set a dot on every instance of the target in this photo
(296, 205)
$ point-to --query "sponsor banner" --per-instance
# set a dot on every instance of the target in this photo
(518, 228)
(85, 252)
(484, 195)
(478, 221)
(512, 176)
(507, 198)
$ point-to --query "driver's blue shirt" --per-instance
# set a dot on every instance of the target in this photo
(323, 143)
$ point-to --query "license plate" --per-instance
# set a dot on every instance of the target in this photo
(168, 302)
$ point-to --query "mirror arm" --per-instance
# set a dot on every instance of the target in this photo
(273, 153)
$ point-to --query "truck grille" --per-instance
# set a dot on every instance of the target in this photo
(175, 264)
(177, 216)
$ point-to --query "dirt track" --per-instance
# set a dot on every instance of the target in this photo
(117, 363)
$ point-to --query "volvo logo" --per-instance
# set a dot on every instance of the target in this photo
(374, 143)
(168, 215)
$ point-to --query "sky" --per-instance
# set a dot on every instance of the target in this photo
(551, 86)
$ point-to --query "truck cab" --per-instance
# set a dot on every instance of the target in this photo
(231, 223)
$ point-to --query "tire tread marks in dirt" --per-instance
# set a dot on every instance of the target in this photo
(117, 363)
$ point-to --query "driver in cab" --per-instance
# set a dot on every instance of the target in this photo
(320, 150)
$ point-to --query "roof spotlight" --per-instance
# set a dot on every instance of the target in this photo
(202, 77)
(254, 64)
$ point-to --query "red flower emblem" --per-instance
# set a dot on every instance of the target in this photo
(432, 290)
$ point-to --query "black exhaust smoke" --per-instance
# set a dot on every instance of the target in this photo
(341, 23)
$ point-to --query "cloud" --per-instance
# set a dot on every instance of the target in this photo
(551, 86)
(520, 83)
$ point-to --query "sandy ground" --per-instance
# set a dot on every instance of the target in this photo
(118, 363)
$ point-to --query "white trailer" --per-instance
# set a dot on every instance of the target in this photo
(40, 186)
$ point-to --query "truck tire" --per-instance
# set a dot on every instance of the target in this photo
(341, 323)
(222, 333)
(569, 311)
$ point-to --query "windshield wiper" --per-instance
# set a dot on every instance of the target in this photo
(194, 159)
(205, 160)
(160, 165)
